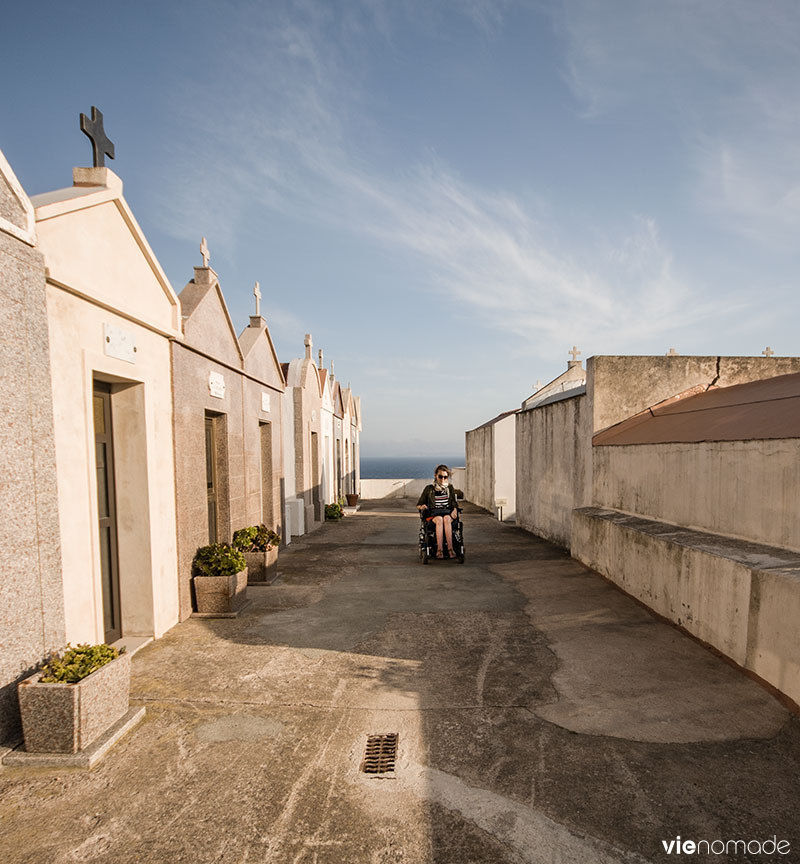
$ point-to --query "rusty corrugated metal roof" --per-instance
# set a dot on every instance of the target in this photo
(759, 409)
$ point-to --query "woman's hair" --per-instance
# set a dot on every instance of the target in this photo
(438, 468)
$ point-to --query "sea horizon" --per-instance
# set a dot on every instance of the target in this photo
(405, 467)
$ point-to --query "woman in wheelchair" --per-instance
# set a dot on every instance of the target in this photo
(438, 503)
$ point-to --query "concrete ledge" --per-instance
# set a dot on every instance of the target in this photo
(84, 758)
(741, 598)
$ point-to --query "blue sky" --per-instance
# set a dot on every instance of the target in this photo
(447, 195)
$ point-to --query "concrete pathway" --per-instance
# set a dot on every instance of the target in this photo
(542, 717)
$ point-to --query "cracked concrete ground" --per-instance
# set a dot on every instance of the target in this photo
(543, 717)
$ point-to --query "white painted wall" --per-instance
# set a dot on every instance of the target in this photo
(505, 465)
(294, 510)
(405, 488)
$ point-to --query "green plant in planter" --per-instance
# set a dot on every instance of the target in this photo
(334, 511)
(77, 663)
(218, 559)
(257, 538)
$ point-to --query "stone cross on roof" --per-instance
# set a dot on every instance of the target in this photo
(204, 252)
(257, 295)
(101, 143)
(308, 342)
(672, 353)
(768, 352)
(574, 353)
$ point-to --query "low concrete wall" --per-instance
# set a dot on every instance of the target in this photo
(409, 488)
(741, 598)
(404, 488)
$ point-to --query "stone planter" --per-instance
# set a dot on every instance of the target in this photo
(352, 499)
(221, 594)
(67, 718)
(262, 566)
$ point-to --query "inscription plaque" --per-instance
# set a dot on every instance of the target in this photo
(216, 385)
(119, 343)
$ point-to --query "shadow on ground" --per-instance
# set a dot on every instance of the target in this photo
(542, 716)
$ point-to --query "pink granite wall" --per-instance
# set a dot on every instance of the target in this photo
(31, 593)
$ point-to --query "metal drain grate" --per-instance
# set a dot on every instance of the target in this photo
(380, 755)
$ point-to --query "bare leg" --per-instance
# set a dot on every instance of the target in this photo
(437, 521)
(448, 531)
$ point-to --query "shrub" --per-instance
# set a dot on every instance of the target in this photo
(257, 538)
(334, 511)
(218, 559)
(78, 663)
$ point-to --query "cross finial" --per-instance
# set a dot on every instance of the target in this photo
(538, 385)
(768, 352)
(574, 353)
(308, 343)
(257, 295)
(204, 252)
(672, 353)
(101, 144)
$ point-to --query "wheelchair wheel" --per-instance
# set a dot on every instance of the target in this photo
(423, 554)
(462, 556)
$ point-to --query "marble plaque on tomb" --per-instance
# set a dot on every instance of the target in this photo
(119, 343)
(216, 385)
(265, 403)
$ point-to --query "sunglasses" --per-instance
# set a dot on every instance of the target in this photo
(442, 476)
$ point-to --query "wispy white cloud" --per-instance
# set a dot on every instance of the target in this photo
(724, 75)
(294, 107)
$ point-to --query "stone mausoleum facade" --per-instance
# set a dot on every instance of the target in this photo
(139, 427)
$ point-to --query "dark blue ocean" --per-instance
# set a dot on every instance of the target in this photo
(407, 467)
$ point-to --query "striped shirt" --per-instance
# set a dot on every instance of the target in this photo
(442, 499)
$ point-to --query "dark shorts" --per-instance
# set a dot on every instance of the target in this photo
(437, 513)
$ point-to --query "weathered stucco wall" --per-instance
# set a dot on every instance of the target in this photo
(743, 489)
(618, 387)
(552, 452)
(480, 467)
(555, 458)
(192, 400)
(31, 593)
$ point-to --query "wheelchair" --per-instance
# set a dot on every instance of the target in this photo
(427, 540)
